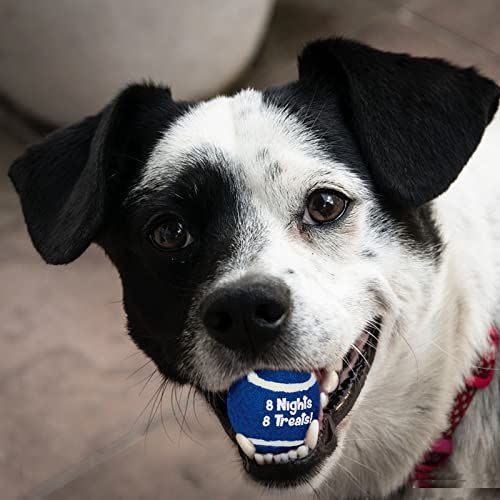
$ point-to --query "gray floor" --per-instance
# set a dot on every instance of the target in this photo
(72, 413)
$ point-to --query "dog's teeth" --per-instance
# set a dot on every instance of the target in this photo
(331, 381)
(312, 434)
(247, 447)
(302, 451)
(339, 364)
(323, 399)
(283, 458)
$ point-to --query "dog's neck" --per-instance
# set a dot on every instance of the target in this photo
(475, 461)
(480, 380)
(476, 457)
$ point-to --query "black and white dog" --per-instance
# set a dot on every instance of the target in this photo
(346, 223)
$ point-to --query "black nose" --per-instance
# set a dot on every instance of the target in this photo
(247, 314)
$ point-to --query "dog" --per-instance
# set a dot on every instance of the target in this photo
(344, 224)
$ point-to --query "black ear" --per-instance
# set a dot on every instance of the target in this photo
(416, 120)
(68, 181)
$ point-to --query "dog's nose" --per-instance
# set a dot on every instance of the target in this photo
(247, 314)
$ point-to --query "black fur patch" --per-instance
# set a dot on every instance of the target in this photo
(319, 110)
(70, 181)
(419, 227)
(405, 125)
(416, 120)
(159, 287)
(317, 107)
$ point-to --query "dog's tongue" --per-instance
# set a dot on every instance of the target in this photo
(275, 412)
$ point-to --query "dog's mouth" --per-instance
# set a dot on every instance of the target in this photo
(340, 388)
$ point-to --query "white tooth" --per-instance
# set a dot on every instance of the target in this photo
(245, 444)
(323, 399)
(277, 459)
(331, 381)
(259, 458)
(339, 364)
(312, 434)
(268, 458)
(292, 455)
(284, 458)
(302, 451)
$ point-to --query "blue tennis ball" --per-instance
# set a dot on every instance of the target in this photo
(274, 409)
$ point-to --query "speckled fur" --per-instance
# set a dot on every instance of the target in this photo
(436, 318)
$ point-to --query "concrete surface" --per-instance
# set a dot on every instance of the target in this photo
(72, 413)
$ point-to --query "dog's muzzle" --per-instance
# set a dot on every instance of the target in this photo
(247, 316)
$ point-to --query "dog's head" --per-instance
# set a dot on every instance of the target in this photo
(286, 229)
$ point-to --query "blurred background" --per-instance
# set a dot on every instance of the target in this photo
(81, 412)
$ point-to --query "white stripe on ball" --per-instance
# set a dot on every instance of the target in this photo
(253, 378)
(263, 442)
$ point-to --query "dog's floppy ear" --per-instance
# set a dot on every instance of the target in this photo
(67, 181)
(416, 120)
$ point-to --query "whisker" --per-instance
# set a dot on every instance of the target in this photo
(161, 417)
(145, 381)
(147, 405)
(319, 113)
(181, 423)
(195, 412)
(128, 157)
(310, 102)
(353, 479)
(156, 405)
(184, 418)
(361, 354)
(315, 493)
(172, 406)
(139, 369)
(361, 464)
(410, 348)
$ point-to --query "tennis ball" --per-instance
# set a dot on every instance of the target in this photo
(274, 409)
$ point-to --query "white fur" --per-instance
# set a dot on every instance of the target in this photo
(435, 320)
(239, 126)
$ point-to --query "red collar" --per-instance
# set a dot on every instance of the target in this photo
(442, 448)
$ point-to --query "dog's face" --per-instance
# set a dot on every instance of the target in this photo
(285, 229)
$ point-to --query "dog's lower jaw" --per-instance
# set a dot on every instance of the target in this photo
(340, 388)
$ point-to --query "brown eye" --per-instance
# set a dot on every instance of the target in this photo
(171, 235)
(324, 206)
